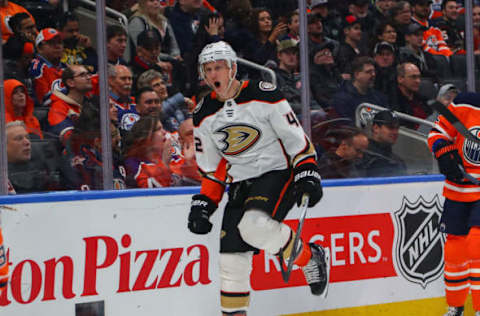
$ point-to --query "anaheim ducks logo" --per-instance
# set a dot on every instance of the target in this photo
(237, 138)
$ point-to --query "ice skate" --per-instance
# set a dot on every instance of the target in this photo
(456, 311)
(317, 270)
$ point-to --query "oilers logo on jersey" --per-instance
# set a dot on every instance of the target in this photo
(238, 138)
(471, 150)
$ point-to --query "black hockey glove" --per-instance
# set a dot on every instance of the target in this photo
(200, 211)
(449, 161)
(307, 181)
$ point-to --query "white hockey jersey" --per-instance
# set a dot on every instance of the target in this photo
(255, 132)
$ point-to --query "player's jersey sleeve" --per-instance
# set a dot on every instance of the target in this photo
(211, 164)
(442, 131)
(294, 140)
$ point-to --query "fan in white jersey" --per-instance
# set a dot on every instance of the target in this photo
(247, 135)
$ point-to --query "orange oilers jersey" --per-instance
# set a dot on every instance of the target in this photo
(434, 43)
(470, 152)
(6, 13)
(148, 174)
(46, 78)
(3, 264)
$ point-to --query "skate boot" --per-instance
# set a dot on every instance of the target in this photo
(456, 311)
(317, 270)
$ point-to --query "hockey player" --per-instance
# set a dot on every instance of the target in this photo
(3, 265)
(461, 210)
(246, 134)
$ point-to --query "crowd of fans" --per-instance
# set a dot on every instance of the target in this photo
(385, 52)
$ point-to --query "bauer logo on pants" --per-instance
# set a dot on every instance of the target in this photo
(419, 245)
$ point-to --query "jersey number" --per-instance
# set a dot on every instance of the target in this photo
(292, 119)
(198, 145)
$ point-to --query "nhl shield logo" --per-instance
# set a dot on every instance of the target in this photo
(419, 246)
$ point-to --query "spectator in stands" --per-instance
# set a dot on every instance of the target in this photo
(413, 51)
(148, 154)
(350, 46)
(379, 160)
(449, 25)
(19, 107)
(184, 19)
(359, 9)
(433, 41)
(174, 109)
(120, 83)
(359, 90)
(183, 162)
(23, 25)
(385, 32)
(237, 23)
(28, 172)
(331, 20)
(407, 98)
(18, 55)
(7, 10)
(263, 46)
(149, 16)
(385, 67)
(288, 75)
(82, 158)
(67, 105)
(148, 50)
(381, 10)
(325, 77)
(348, 147)
(78, 48)
(401, 14)
(316, 35)
(476, 29)
(293, 25)
(116, 44)
(46, 68)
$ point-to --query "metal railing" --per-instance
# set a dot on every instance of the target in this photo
(261, 68)
(364, 114)
(121, 17)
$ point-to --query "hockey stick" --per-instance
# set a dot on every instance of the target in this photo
(468, 176)
(450, 117)
(286, 273)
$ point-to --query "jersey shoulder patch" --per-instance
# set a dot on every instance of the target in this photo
(266, 86)
(260, 91)
(206, 107)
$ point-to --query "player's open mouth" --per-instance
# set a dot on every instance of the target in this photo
(217, 84)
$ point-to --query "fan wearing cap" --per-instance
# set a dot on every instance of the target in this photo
(360, 10)
(149, 47)
(331, 19)
(316, 34)
(351, 45)
(46, 68)
(413, 52)
(380, 160)
(384, 56)
(288, 75)
(325, 77)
